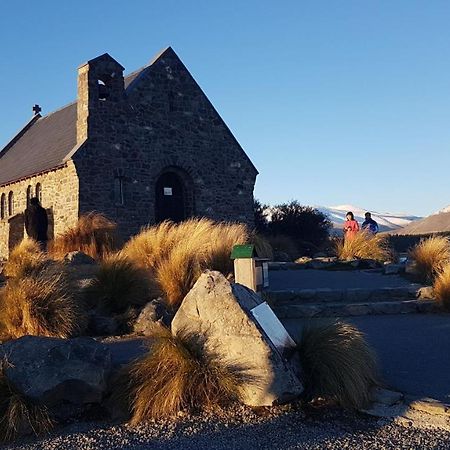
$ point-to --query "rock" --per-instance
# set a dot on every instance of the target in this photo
(100, 325)
(385, 396)
(153, 313)
(394, 269)
(425, 292)
(78, 258)
(320, 264)
(54, 371)
(221, 311)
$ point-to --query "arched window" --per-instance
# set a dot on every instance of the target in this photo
(3, 206)
(10, 203)
(29, 195)
(39, 192)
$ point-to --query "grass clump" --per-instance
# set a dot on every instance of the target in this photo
(40, 304)
(283, 245)
(178, 375)
(430, 256)
(176, 254)
(441, 287)
(262, 246)
(18, 414)
(118, 285)
(25, 258)
(364, 245)
(94, 234)
(338, 364)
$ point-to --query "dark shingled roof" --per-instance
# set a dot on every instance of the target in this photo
(44, 143)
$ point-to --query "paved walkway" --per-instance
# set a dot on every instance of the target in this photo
(413, 350)
(315, 279)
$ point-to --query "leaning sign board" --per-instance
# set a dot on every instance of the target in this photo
(272, 326)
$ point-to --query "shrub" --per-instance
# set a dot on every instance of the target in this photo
(301, 223)
(363, 245)
(17, 412)
(262, 246)
(177, 374)
(176, 254)
(117, 285)
(260, 216)
(338, 364)
(282, 244)
(40, 304)
(441, 287)
(431, 256)
(94, 234)
(25, 258)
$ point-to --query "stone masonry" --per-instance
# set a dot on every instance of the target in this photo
(129, 133)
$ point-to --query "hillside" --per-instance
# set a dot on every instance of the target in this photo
(386, 221)
(436, 223)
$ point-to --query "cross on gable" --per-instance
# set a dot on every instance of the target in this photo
(37, 109)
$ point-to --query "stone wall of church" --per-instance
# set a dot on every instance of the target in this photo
(59, 193)
(163, 121)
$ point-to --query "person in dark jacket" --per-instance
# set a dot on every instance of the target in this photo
(36, 222)
(369, 224)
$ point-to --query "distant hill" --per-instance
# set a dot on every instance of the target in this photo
(386, 221)
(436, 223)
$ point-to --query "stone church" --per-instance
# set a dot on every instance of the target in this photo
(140, 149)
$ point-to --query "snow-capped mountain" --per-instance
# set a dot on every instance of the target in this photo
(443, 210)
(386, 221)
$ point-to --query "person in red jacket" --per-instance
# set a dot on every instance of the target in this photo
(351, 226)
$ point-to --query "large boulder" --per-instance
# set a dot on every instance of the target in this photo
(221, 311)
(54, 371)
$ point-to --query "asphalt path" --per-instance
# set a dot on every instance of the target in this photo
(413, 350)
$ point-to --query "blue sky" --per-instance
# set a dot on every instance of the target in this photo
(335, 101)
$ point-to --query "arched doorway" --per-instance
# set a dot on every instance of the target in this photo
(171, 198)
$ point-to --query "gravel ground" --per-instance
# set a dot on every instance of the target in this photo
(245, 430)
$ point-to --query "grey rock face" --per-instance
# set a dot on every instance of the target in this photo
(221, 311)
(54, 371)
(153, 313)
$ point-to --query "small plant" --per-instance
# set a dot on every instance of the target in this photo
(17, 412)
(363, 245)
(431, 256)
(338, 364)
(118, 285)
(178, 375)
(441, 287)
(94, 234)
(176, 254)
(262, 246)
(283, 245)
(25, 258)
(40, 304)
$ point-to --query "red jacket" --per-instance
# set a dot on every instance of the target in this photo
(351, 227)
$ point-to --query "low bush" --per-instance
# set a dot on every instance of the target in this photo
(338, 364)
(94, 234)
(40, 304)
(18, 414)
(283, 247)
(441, 287)
(262, 246)
(430, 257)
(176, 254)
(363, 245)
(25, 258)
(117, 285)
(178, 375)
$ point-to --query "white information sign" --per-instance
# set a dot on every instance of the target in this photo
(167, 191)
(272, 326)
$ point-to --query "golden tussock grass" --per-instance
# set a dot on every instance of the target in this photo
(338, 364)
(25, 258)
(364, 245)
(430, 256)
(40, 304)
(94, 234)
(18, 413)
(176, 254)
(441, 287)
(178, 375)
(118, 284)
